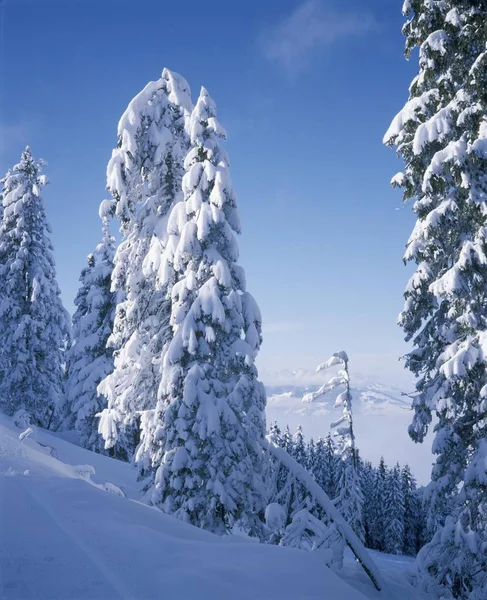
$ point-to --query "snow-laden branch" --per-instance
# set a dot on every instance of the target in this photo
(325, 389)
(331, 512)
(339, 358)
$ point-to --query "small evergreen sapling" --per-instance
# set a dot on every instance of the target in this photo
(349, 500)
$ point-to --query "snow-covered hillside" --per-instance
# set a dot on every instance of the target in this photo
(382, 415)
(67, 531)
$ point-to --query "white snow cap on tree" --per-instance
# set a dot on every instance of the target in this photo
(144, 176)
(146, 116)
(34, 326)
(210, 416)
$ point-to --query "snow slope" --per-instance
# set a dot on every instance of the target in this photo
(63, 536)
(381, 414)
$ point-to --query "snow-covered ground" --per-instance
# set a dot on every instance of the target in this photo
(65, 533)
(382, 414)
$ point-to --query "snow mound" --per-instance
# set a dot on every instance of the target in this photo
(71, 534)
(65, 538)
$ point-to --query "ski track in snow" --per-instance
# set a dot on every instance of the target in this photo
(41, 523)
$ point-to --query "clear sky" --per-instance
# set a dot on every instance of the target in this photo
(305, 90)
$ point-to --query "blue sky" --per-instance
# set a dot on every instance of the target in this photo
(305, 90)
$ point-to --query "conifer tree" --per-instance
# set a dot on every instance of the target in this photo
(279, 472)
(394, 512)
(288, 442)
(412, 513)
(210, 415)
(90, 359)
(330, 468)
(286, 491)
(380, 517)
(299, 448)
(311, 456)
(317, 466)
(441, 136)
(369, 509)
(349, 499)
(144, 177)
(34, 326)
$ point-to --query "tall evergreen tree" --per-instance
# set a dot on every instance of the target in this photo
(210, 414)
(34, 326)
(441, 136)
(90, 359)
(144, 177)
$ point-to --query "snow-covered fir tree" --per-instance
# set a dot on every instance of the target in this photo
(441, 135)
(412, 513)
(90, 359)
(349, 499)
(394, 512)
(282, 483)
(287, 441)
(379, 508)
(210, 415)
(285, 489)
(329, 467)
(311, 457)
(369, 512)
(144, 177)
(299, 448)
(34, 326)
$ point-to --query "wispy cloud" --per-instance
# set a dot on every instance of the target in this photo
(312, 28)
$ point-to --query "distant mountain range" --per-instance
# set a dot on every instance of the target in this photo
(382, 414)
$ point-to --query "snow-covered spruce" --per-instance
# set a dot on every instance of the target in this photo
(349, 500)
(210, 416)
(394, 512)
(441, 134)
(89, 360)
(144, 177)
(34, 326)
(287, 492)
(413, 514)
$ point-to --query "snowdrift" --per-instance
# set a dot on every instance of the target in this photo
(67, 531)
